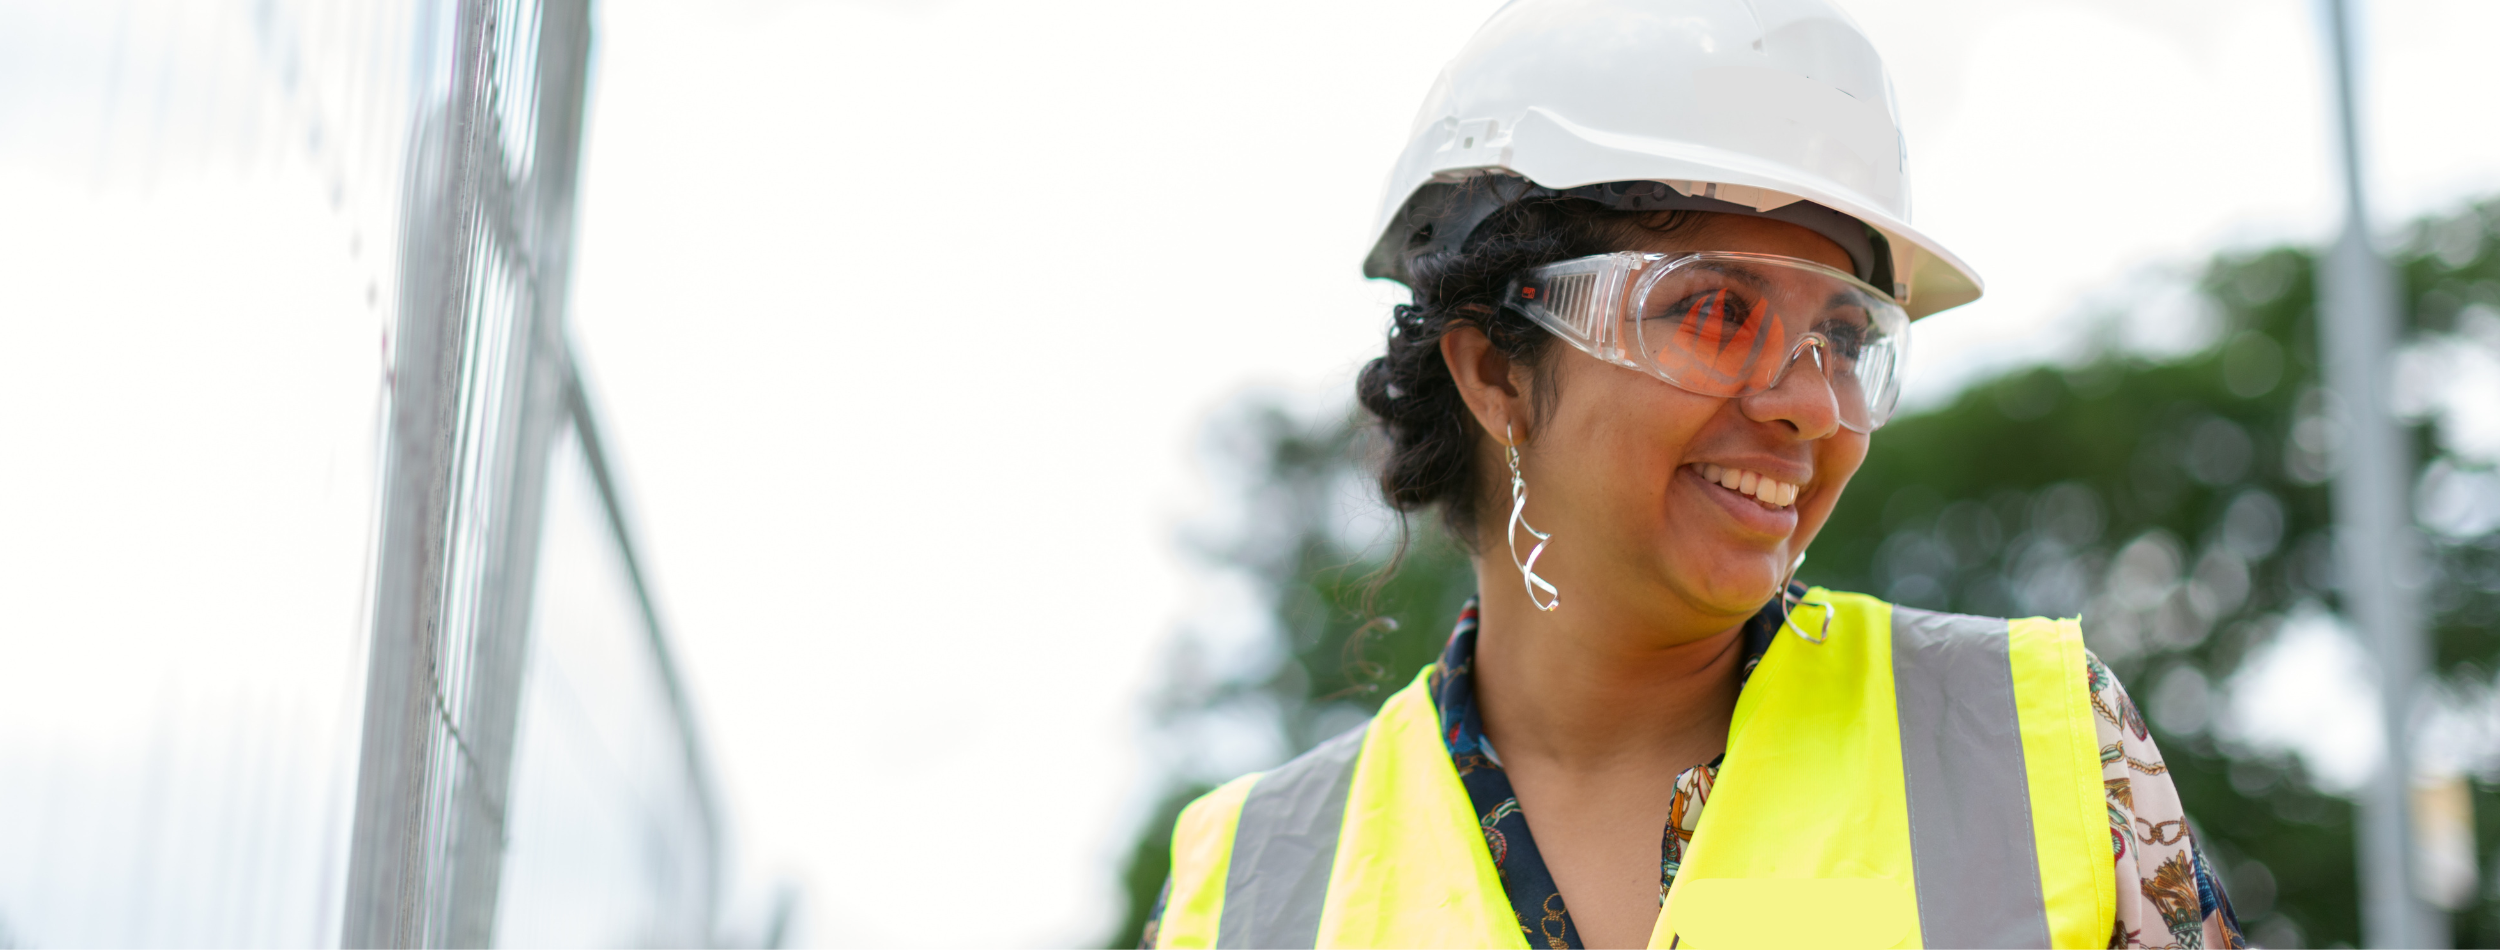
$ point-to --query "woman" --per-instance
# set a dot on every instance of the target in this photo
(1693, 199)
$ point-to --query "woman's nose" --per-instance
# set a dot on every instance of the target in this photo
(1803, 397)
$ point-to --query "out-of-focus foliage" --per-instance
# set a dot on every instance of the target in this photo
(1316, 565)
(2178, 504)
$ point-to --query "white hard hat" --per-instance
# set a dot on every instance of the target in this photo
(1777, 108)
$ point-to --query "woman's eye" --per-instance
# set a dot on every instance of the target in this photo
(1727, 308)
(1847, 336)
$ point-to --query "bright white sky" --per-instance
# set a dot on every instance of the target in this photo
(906, 316)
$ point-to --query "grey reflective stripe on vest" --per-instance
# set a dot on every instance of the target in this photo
(1970, 801)
(1284, 847)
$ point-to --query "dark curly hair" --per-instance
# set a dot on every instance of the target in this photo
(1429, 458)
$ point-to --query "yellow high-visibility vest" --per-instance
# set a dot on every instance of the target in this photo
(1915, 779)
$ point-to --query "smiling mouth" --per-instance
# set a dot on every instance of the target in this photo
(1755, 485)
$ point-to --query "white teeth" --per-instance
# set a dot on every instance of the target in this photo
(1760, 487)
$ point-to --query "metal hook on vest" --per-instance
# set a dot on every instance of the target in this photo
(1789, 602)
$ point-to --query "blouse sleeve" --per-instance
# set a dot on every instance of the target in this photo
(1153, 931)
(2167, 895)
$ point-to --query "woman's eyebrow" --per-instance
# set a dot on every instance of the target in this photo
(1742, 275)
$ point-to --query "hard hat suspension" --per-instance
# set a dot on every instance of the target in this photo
(1441, 217)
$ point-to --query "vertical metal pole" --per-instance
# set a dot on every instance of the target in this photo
(391, 862)
(478, 399)
(2376, 544)
(540, 206)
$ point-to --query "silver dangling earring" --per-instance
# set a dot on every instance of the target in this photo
(1518, 520)
(1789, 605)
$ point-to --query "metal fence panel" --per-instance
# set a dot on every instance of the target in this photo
(202, 203)
(283, 372)
(615, 839)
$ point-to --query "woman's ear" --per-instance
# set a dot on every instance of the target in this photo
(1487, 380)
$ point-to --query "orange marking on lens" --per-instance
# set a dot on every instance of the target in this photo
(1693, 343)
(1767, 369)
(1730, 358)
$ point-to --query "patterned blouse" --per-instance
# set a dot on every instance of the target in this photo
(2167, 895)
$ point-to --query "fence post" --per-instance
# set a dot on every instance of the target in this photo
(477, 401)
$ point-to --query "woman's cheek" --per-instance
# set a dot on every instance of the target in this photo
(1834, 468)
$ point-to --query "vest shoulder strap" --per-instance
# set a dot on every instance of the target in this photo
(1971, 842)
(1202, 848)
(1367, 840)
(2062, 759)
(1251, 860)
(2000, 755)
(1284, 846)
(1413, 870)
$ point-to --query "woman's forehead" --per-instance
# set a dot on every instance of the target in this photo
(1739, 232)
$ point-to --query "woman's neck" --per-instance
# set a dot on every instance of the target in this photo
(1596, 711)
(1596, 693)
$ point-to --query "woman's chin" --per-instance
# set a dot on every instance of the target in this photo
(1733, 594)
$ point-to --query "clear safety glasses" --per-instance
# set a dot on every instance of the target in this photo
(1727, 324)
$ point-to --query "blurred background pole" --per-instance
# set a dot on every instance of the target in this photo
(2376, 553)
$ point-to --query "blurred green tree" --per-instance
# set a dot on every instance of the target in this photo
(2177, 503)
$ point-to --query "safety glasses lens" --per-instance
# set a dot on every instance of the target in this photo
(1722, 325)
